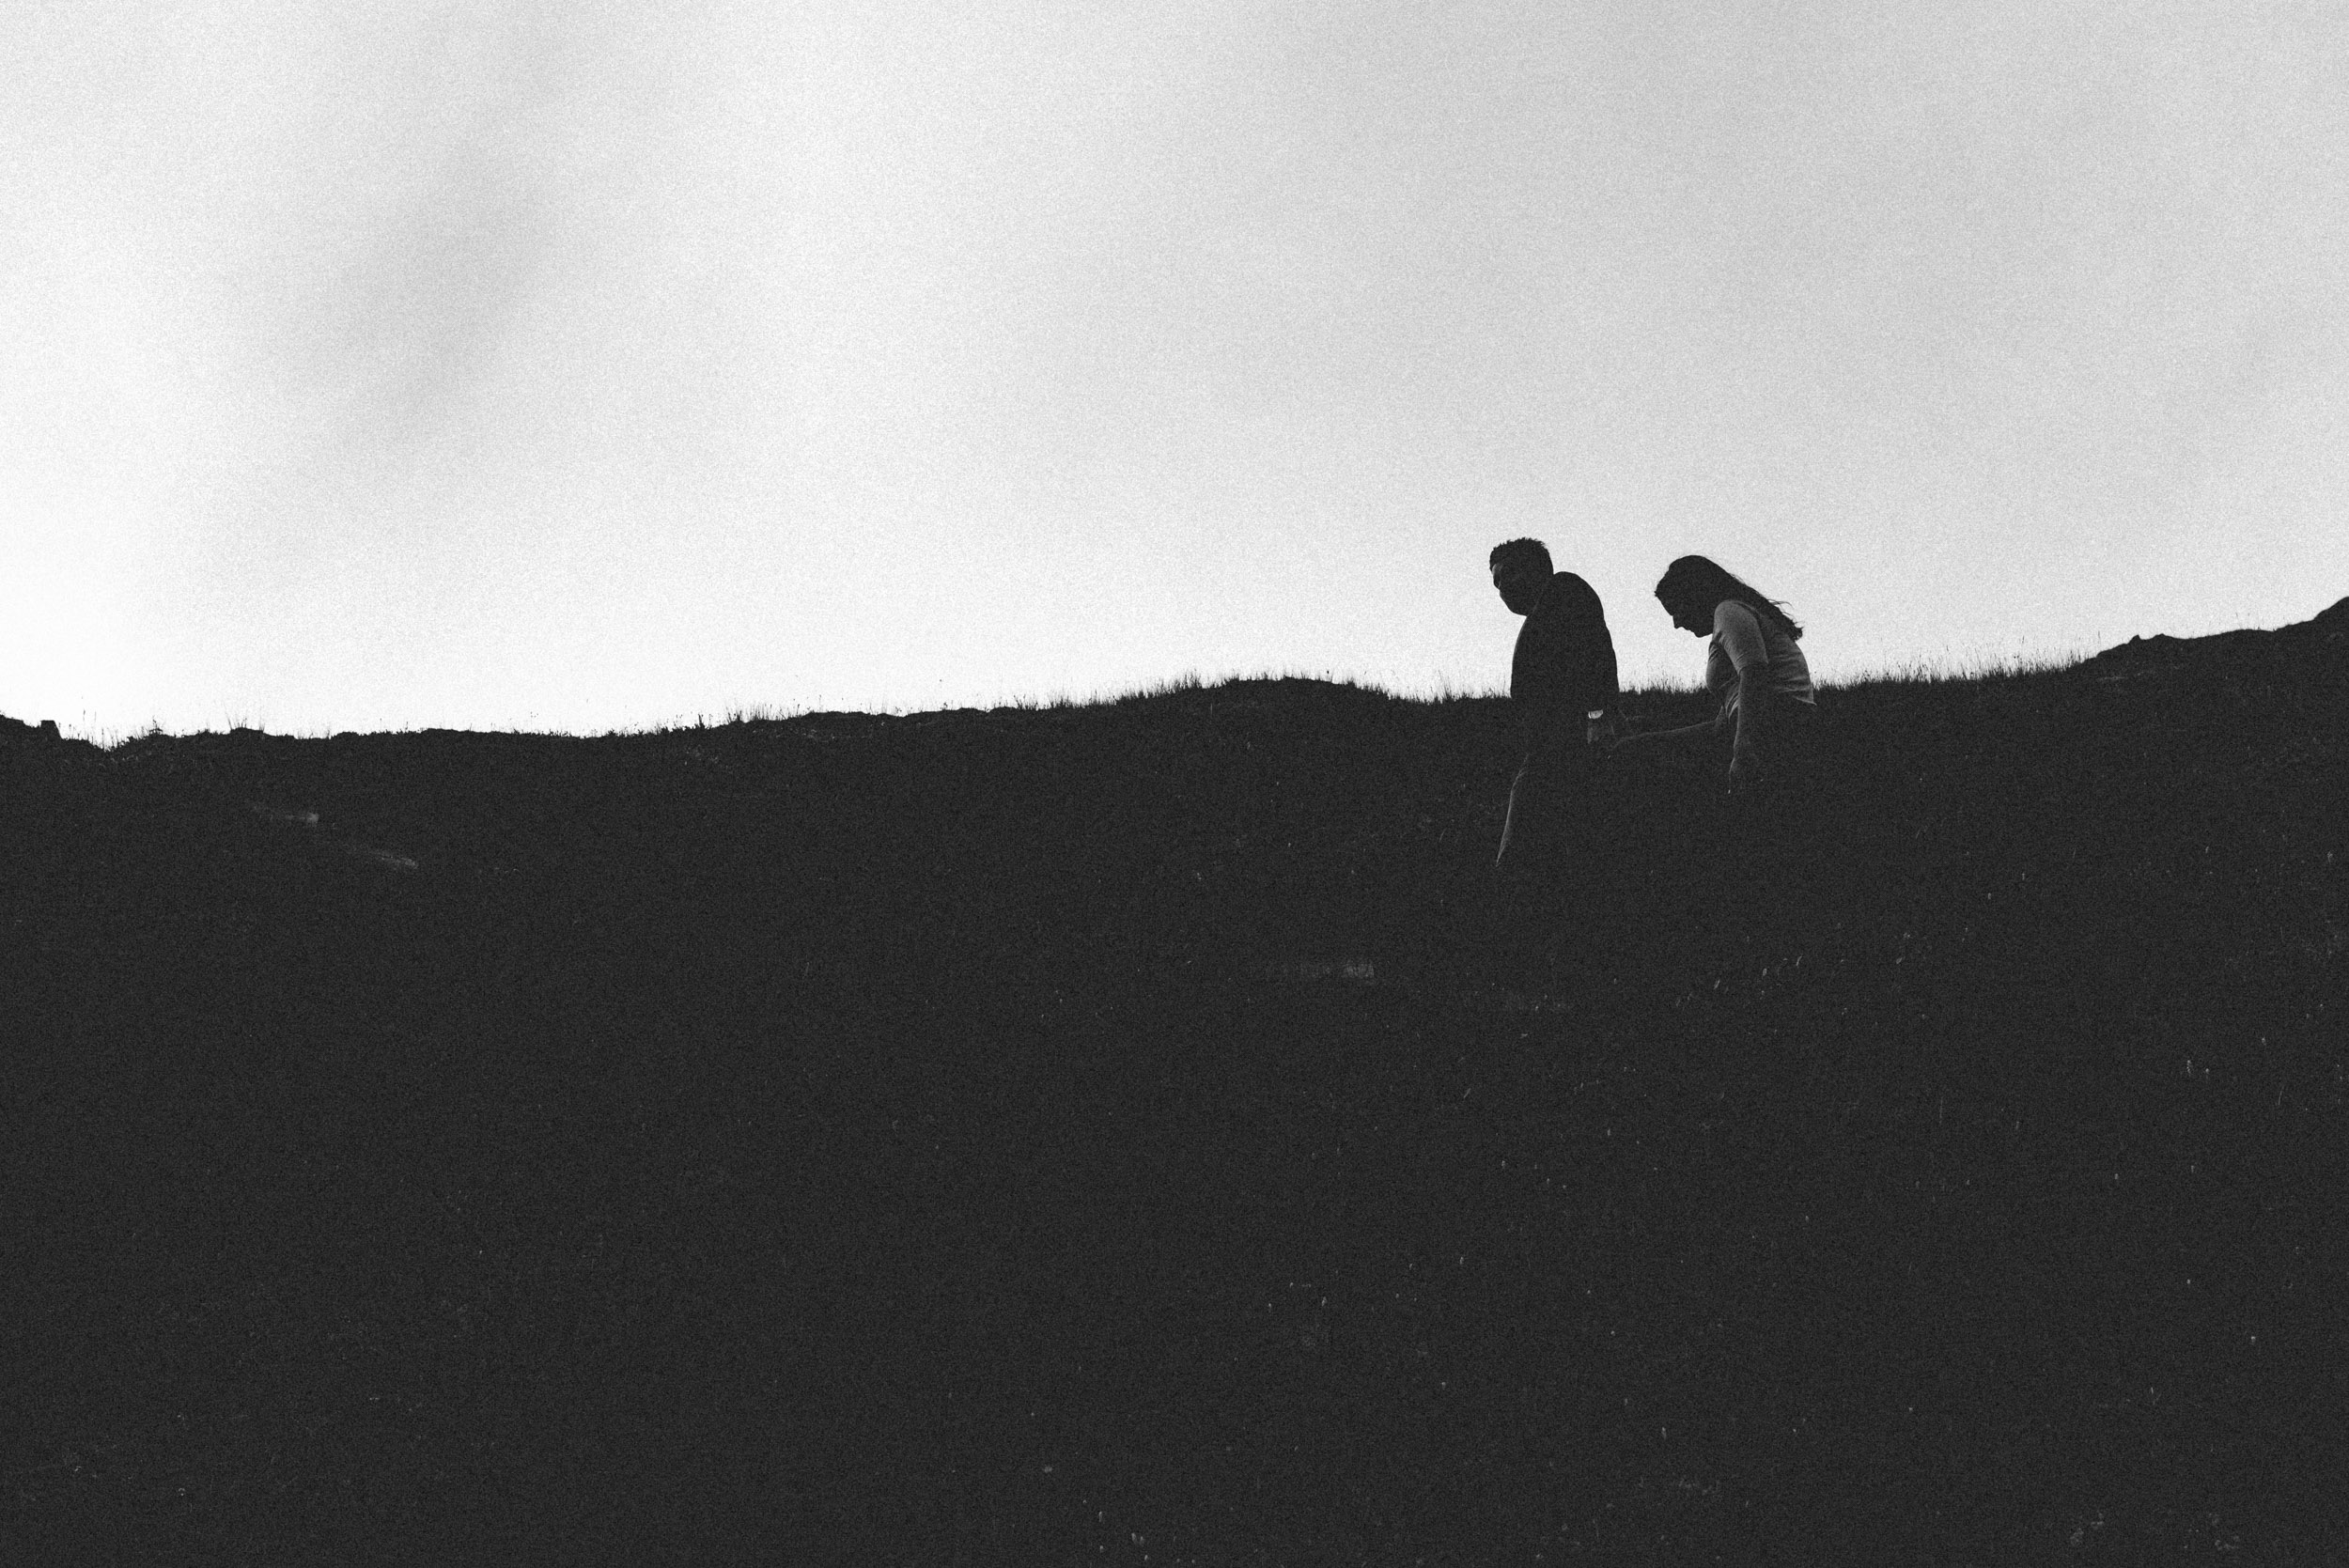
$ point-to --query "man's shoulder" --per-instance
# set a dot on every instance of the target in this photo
(1570, 596)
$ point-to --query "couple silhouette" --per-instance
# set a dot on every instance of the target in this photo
(1562, 687)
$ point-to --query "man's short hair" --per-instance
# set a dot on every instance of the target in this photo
(1532, 551)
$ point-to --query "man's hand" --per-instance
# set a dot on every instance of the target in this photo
(1604, 734)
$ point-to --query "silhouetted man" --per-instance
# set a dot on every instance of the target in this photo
(1562, 682)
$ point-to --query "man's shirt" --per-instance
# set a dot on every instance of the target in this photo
(1564, 665)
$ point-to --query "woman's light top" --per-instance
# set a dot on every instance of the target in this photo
(1744, 641)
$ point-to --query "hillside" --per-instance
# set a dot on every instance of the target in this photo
(1106, 1134)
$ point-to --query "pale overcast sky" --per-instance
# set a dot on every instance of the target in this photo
(580, 365)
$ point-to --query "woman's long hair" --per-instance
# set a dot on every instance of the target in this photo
(1693, 577)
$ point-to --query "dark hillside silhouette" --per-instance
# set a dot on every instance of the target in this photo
(2240, 652)
(849, 1138)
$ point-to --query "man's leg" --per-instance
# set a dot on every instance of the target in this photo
(1518, 870)
(1585, 902)
(1547, 856)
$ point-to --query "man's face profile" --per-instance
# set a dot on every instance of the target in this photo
(1520, 585)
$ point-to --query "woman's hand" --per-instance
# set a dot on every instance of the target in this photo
(1746, 771)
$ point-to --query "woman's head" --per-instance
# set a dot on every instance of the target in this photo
(1693, 587)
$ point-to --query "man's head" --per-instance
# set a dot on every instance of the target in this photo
(1521, 570)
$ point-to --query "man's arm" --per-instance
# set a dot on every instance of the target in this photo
(1587, 653)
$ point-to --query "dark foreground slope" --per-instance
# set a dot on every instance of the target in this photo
(852, 1140)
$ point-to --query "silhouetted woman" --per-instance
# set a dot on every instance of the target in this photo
(1754, 669)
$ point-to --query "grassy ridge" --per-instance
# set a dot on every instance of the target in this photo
(846, 1139)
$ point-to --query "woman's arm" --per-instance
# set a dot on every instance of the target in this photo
(1745, 750)
(1741, 638)
(1685, 736)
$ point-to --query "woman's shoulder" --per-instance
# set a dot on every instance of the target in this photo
(1733, 617)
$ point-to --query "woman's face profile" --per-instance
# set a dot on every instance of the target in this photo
(1682, 608)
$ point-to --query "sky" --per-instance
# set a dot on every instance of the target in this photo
(566, 364)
